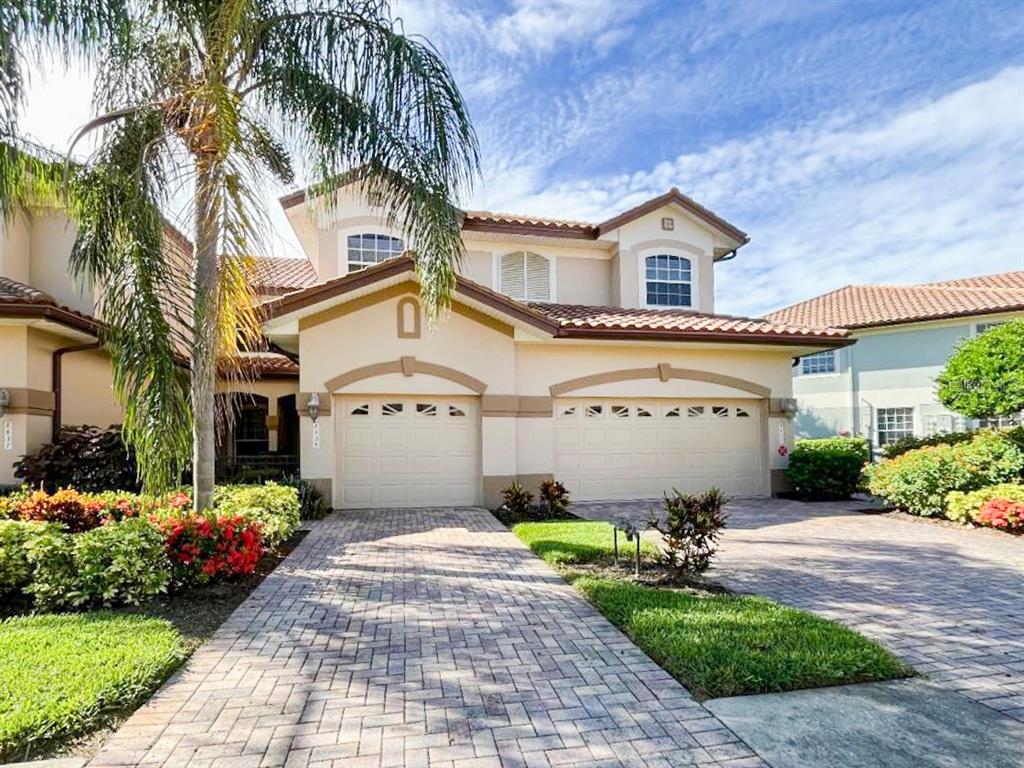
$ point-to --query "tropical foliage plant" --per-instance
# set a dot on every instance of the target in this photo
(204, 102)
(690, 527)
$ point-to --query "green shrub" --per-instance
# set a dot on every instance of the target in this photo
(964, 507)
(120, 564)
(86, 458)
(992, 457)
(275, 507)
(983, 376)
(15, 535)
(115, 564)
(904, 444)
(312, 504)
(62, 675)
(828, 468)
(919, 481)
(690, 530)
(51, 557)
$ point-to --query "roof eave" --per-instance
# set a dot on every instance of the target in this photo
(699, 336)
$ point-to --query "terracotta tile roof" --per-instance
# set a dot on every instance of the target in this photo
(20, 300)
(264, 365)
(572, 317)
(543, 225)
(865, 306)
(1001, 280)
(282, 275)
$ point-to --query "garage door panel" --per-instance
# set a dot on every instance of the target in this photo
(604, 449)
(408, 451)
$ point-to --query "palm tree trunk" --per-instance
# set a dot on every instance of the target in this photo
(204, 336)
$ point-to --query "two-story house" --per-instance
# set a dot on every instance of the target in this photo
(586, 352)
(883, 387)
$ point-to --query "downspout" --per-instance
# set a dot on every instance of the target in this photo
(58, 356)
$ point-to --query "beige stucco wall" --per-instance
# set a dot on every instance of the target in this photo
(15, 247)
(514, 446)
(27, 371)
(645, 237)
(597, 272)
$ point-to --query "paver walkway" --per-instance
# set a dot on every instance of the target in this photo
(947, 600)
(420, 638)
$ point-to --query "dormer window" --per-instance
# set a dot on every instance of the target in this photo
(668, 281)
(525, 276)
(369, 249)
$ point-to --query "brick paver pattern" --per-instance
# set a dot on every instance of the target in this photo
(420, 638)
(949, 601)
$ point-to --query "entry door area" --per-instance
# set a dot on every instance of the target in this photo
(619, 448)
(401, 451)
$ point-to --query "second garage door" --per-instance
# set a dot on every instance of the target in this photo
(407, 451)
(620, 449)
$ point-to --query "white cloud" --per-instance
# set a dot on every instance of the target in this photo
(933, 191)
(542, 25)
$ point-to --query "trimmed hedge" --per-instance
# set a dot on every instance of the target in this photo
(71, 550)
(905, 444)
(919, 481)
(116, 564)
(828, 468)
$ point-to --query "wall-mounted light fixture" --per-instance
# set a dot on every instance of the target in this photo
(313, 407)
(5, 401)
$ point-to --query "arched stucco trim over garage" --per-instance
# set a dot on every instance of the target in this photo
(407, 366)
(662, 371)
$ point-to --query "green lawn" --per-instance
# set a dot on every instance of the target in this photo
(569, 542)
(715, 645)
(62, 674)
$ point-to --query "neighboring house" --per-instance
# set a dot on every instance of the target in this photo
(883, 387)
(586, 352)
(52, 372)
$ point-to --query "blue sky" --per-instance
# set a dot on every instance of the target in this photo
(855, 141)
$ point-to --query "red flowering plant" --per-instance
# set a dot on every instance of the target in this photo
(1003, 514)
(202, 548)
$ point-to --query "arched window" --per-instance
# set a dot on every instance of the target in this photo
(368, 249)
(668, 281)
(525, 276)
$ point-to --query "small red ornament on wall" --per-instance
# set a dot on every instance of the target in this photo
(783, 451)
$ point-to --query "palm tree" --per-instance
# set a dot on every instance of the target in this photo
(206, 100)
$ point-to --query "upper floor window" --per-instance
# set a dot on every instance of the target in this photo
(980, 328)
(525, 276)
(668, 281)
(368, 249)
(819, 362)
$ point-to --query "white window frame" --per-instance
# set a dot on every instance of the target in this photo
(345, 263)
(694, 259)
(496, 258)
(835, 364)
(878, 422)
(979, 328)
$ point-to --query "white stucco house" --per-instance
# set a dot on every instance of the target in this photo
(586, 352)
(883, 387)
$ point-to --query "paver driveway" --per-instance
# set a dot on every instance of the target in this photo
(420, 638)
(947, 600)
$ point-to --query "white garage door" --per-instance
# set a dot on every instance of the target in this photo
(407, 451)
(619, 449)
